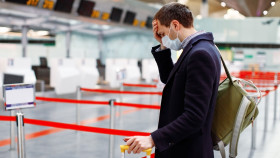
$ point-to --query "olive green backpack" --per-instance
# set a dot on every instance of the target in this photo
(235, 110)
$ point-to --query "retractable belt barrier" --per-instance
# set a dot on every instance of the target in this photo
(74, 101)
(76, 127)
(138, 105)
(7, 118)
(262, 76)
(148, 86)
(120, 92)
(139, 85)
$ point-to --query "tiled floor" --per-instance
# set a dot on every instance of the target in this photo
(72, 144)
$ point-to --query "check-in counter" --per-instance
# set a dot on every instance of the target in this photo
(16, 66)
(150, 70)
(122, 70)
(133, 74)
(64, 75)
(88, 72)
(68, 74)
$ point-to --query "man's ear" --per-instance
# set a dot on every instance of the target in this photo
(176, 24)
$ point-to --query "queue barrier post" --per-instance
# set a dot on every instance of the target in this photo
(21, 135)
(254, 131)
(112, 118)
(254, 123)
(79, 96)
(151, 96)
(266, 111)
(12, 132)
(121, 89)
(275, 96)
(121, 99)
(275, 102)
(126, 147)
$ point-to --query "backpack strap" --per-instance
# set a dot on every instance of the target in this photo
(225, 67)
(258, 93)
(245, 102)
(221, 147)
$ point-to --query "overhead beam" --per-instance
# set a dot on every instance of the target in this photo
(74, 28)
(4, 20)
(90, 32)
(35, 21)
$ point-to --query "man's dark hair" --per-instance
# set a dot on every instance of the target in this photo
(175, 11)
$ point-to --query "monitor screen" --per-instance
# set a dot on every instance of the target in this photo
(18, 1)
(86, 7)
(116, 14)
(12, 79)
(64, 6)
(129, 17)
(149, 22)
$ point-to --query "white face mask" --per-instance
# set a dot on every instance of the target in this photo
(172, 44)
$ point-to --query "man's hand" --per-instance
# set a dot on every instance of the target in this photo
(139, 143)
(156, 35)
(155, 31)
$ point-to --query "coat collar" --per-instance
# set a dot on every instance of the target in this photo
(205, 36)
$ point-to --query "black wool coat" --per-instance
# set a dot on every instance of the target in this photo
(188, 100)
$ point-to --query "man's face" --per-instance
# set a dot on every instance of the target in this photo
(163, 30)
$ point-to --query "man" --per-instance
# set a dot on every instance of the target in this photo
(189, 96)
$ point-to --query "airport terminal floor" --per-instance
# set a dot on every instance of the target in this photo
(45, 142)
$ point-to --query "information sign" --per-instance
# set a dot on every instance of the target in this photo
(18, 96)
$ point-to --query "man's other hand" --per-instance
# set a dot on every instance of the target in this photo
(139, 143)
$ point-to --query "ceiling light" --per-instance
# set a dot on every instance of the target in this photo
(183, 1)
(223, 4)
(38, 33)
(226, 16)
(199, 17)
(42, 33)
(94, 26)
(105, 27)
(264, 12)
(5, 29)
(236, 11)
(272, 4)
(233, 14)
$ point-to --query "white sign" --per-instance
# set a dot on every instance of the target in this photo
(276, 58)
(18, 96)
